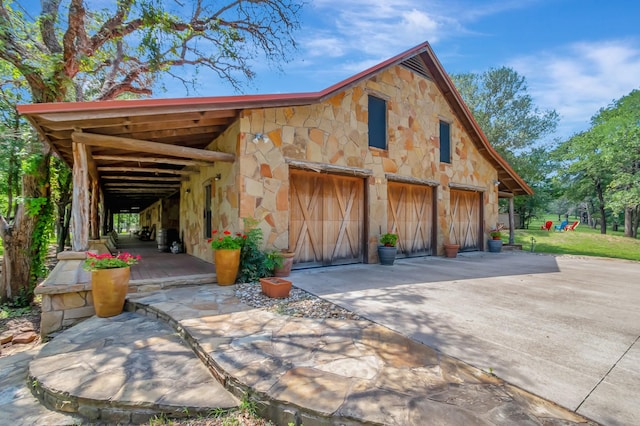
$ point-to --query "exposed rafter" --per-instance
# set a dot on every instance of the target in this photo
(143, 178)
(160, 160)
(140, 185)
(137, 145)
(147, 170)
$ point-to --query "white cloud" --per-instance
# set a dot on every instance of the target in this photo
(380, 28)
(342, 37)
(578, 79)
(324, 46)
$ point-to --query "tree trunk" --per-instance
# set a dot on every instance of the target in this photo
(628, 221)
(16, 265)
(631, 220)
(16, 240)
(603, 218)
(17, 235)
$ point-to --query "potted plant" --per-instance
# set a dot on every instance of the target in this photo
(275, 287)
(273, 260)
(451, 250)
(495, 243)
(226, 255)
(387, 249)
(109, 281)
(280, 262)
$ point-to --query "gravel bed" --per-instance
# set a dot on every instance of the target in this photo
(299, 304)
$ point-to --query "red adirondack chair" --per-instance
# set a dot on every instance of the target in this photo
(547, 226)
(573, 226)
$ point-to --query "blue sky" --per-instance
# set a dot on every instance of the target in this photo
(577, 55)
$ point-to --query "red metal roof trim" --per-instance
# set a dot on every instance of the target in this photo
(245, 101)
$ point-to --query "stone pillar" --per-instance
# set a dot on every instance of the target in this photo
(66, 294)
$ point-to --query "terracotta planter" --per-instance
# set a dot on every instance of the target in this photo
(109, 289)
(227, 264)
(451, 250)
(276, 288)
(287, 263)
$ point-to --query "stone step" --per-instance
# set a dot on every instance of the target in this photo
(124, 369)
(17, 404)
(330, 371)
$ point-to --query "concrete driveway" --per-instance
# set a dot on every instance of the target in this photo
(565, 328)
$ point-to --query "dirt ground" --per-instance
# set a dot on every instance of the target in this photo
(23, 324)
(27, 322)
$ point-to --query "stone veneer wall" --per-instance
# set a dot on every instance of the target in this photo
(151, 215)
(336, 132)
(69, 301)
(225, 194)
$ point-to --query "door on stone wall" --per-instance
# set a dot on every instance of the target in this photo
(410, 215)
(465, 219)
(326, 218)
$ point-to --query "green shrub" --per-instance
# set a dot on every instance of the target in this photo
(389, 240)
(253, 261)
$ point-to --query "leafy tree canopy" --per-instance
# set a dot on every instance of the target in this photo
(604, 161)
(504, 110)
(511, 122)
(72, 50)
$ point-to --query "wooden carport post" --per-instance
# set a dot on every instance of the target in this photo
(512, 222)
(80, 200)
(95, 217)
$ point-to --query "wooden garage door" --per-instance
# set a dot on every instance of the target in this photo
(410, 215)
(327, 219)
(464, 219)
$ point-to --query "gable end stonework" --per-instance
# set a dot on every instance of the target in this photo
(335, 132)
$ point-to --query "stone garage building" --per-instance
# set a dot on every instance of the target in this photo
(392, 148)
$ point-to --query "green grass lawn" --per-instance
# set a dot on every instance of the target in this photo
(583, 241)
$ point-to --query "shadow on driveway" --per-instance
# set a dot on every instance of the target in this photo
(560, 327)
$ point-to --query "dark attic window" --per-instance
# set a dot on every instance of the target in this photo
(445, 142)
(377, 122)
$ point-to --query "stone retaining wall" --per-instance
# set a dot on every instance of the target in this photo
(66, 293)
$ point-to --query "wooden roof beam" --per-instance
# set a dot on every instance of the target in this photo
(144, 178)
(158, 160)
(136, 145)
(141, 114)
(141, 190)
(146, 170)
(140, 185)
